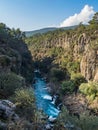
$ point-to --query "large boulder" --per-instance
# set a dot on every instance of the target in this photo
(7, 110)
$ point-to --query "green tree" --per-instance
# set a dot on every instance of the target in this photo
(94, 19)
(94, 22)
(67, 86)
(56, 74)
(78, 79)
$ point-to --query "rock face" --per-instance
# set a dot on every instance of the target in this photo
(96, 76)
(86, 54)
(88, 64)
(7, 110)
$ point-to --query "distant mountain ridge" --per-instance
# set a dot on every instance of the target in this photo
(45, 30)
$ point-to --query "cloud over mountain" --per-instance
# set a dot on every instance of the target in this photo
(84, 16)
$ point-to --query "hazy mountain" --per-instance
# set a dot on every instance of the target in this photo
(45, 30)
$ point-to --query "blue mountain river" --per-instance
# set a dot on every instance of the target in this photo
(43, 98)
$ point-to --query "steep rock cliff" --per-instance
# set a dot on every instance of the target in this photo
(68, 48)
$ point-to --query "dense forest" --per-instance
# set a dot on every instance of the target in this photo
(68, 59)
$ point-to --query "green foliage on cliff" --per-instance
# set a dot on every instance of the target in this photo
(89, 89)
(14, 54)
(4, 60)
(73, 84)
(9, 82)
(78, 79)
(24, 97)
(67, 87)
(25, 102)
(56, 75)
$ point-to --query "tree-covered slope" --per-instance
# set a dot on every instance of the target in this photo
(45, 30)
(15, 60)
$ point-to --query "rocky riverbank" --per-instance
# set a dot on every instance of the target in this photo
(7, 113)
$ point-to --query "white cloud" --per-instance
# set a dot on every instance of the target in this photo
(84, 16)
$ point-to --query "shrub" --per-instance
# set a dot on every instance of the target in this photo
(67, 87)
(24, 97)
(4, 60)
(56, 74)
(73, 84)
(9, 82)
(78, 79)
(89, 89)
(25, 101)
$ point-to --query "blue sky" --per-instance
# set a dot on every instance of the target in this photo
(35, 14)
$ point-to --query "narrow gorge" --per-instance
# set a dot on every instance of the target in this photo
(49, 81)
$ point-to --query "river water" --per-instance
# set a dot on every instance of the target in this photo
(43, 98)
